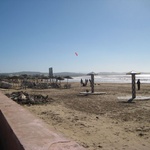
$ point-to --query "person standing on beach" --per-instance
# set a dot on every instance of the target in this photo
(138, 84)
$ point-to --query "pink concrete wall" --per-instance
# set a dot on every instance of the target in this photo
(8, 139)
(21, 130)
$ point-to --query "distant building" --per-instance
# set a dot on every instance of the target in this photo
(51, 72)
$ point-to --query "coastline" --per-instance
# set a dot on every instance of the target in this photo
(144, 78)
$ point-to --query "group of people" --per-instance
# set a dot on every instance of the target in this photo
(86, 81)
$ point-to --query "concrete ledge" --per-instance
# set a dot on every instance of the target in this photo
(90, 93)
(26, 132)
(138, 98)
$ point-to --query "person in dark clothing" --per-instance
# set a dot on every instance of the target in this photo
(138, 84)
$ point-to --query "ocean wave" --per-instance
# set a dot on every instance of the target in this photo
(144, 78)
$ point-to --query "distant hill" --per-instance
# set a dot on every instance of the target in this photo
(24, 72)
(28, 73)
(42, 73)
(72, 74)
(111, 73)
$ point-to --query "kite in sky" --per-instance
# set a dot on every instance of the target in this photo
(76, 53)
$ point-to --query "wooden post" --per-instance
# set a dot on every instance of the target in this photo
(133, 73)
(133, 87)
(92, 83)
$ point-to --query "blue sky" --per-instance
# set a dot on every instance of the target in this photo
(108, 35)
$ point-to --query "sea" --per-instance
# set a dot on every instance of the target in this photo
(107, 78)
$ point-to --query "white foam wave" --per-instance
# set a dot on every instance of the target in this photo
(144, 78)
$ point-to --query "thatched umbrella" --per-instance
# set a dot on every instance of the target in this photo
(92, 80)
(46, 78)
(68, 77)
(24, 75)
(133, 73)
(59, 78)
(13, 77)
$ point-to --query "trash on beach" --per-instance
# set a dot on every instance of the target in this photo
(25, 98)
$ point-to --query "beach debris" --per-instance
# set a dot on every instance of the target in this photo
(28, 84)
(42, 86)
(25, 98)
(5, 85)
(67, 86)
(87, 90)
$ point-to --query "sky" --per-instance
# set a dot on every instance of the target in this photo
(107, 35)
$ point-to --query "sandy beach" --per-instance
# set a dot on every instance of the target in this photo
(97, 121)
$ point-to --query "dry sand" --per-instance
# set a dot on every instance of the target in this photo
(98, 121)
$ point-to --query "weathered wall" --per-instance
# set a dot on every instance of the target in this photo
(8, 139)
